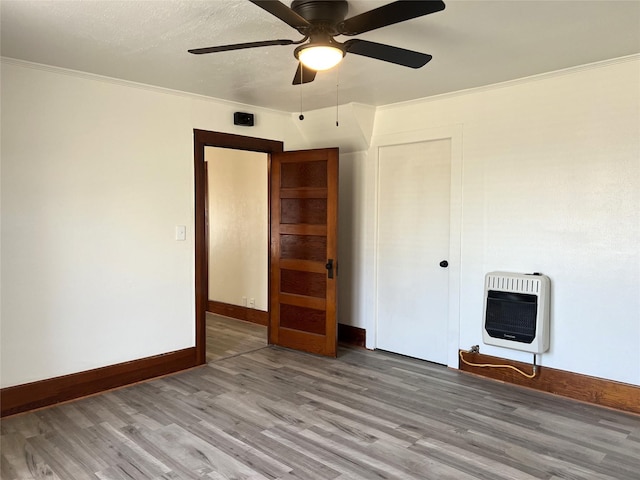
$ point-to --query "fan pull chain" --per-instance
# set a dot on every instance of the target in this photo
(337, 90)
(301, 117)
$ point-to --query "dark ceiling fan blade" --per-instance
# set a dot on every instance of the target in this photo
(303, 75)
(387, 53)
(389, 14)
(239, 46)
(284, 13)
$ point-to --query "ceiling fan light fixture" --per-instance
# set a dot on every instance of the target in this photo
(319, 57)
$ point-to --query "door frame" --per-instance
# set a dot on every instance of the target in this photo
(202, 139)
(454, 134)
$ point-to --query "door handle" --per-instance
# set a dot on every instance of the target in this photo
(329, 267)
(444, 264)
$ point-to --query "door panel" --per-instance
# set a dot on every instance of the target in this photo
(413, 238)
(312, 211)
(310, 284)
(304, 221)
(303, 247)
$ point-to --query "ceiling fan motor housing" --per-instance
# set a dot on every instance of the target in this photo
(321, 12)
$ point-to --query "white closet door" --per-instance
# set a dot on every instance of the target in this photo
(413, 239)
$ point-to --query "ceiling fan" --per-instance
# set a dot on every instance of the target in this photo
(319, 21)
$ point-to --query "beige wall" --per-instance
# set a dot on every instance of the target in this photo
(238, 227)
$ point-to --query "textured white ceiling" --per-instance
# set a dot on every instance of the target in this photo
(473, 43)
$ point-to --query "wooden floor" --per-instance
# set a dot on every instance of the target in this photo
(271, 413)
(227, 337)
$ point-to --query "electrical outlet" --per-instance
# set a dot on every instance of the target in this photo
(252, 303)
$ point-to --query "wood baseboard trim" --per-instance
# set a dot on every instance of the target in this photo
(346, 333)
(240, 313)
(599, 391)
(352, 335)
(43, 393)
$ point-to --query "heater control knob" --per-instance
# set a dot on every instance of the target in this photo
(444, 264)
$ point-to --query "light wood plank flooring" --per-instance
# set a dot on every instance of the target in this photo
(227, 337)
(272, 413)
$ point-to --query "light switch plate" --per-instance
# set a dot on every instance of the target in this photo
(181, 232)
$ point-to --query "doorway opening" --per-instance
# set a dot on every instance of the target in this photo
(238, 250)
(203, 139)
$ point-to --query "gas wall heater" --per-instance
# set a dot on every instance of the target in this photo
(516, 311)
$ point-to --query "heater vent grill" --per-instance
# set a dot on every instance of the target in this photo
(521, 284)
(516, 311)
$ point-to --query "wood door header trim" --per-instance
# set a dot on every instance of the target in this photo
(238, 142)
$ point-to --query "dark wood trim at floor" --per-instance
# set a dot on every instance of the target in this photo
(29, 396)
(347, 334)
(599, 391)
(240, 313)
(43, 393)
(352, 335)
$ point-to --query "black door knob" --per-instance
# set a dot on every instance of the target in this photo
(444, 264)
(329, 267)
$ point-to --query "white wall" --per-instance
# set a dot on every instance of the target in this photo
(238, 226)
(351, 266)
(550, 183)
(96, 174)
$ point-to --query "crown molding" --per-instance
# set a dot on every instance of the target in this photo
(457, 93)
(519, 81)
(128, 83)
